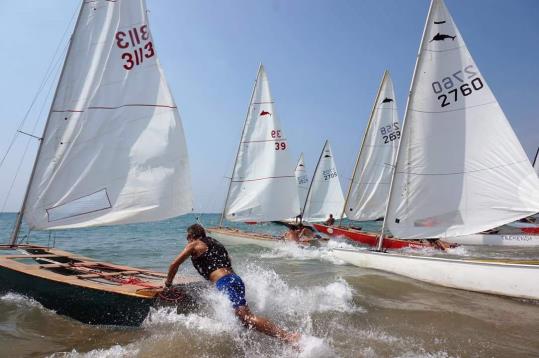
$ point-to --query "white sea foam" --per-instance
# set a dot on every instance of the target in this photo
(423, 354)
(21, 300)
(310, 346)
(297, 252)
(266, 290)
(116, 351)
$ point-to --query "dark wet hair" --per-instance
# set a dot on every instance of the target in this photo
(196, 231)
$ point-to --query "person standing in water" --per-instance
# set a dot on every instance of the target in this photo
(211, 260)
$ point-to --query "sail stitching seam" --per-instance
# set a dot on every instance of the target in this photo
(278, 177)
(455, 110)
(467, 172)
(123, 105)
(265, 140)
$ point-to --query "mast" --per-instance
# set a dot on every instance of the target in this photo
(362, 146)
(18, 220)
(379, 244)
(239, 146)
(536, 159)
(312, 180)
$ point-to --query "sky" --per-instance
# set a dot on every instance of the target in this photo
(324, 58)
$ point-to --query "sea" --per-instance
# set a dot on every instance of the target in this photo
(340, 310)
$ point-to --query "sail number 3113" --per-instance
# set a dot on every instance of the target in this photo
(136, 44)
(460, 84)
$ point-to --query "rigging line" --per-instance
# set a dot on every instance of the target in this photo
(17, 171)
(36, 121)
(45, 79)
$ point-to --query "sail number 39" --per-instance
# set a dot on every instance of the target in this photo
(136, 44)
(457, 85)
(276, 134)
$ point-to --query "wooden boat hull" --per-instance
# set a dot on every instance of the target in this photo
(103, 294)
(368, 238)
(516, 279)
(238, 237)
(81, 303)
(516, 240)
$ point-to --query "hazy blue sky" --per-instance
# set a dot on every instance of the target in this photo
(324, 59)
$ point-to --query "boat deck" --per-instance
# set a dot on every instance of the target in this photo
(68, 268)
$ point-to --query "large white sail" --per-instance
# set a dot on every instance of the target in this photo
(263, 186)
(114, 149)
(302, 179)
(325, 194)
(460, 168)
(369, 188)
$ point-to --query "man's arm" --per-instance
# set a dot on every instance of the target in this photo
(173, 268)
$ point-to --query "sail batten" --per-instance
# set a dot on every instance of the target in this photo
(460, 167)
(114, 150)
(263, 185)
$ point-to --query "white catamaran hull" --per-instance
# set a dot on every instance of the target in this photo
(499, 278)
(518, 240)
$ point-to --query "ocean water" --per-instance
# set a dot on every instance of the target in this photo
(340, 310)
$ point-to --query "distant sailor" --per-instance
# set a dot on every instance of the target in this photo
(211, 260)
(330, 221)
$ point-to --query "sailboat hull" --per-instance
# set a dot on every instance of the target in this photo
(516, 240)
(367, 238)
(86, 290)
(83, 304)
(238, 237)
(515, 279)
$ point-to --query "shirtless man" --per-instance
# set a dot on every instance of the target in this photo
(211, 260)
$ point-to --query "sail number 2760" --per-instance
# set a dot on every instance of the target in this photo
(460, 84)
(136, 45)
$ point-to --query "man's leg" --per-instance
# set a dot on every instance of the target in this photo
(263, 325)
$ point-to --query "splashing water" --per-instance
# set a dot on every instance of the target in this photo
(297, 252)
(266, 290)
(268, 295)
(116, 351)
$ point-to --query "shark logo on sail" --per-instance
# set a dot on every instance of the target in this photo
(442, 37)
(264, 113)
(387, 100)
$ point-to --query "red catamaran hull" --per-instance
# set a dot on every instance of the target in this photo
(367, 238)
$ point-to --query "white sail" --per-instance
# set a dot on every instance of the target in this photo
(302, 179)
(460, 167)
(369, 189)
(325, 195)
(114, 149)
(263, 186)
